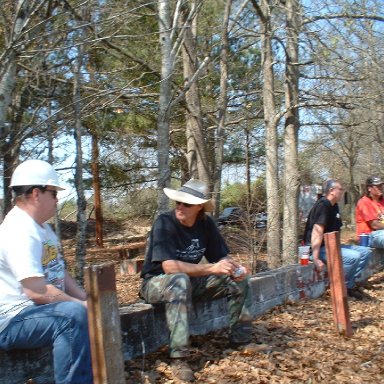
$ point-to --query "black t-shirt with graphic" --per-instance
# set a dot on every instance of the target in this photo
(323, 213)
(170, 240)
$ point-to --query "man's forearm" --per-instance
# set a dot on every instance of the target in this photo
(40, 292)
(73, 289)
(376, 225)
(224, 266)
(177, 266)
(316, 240)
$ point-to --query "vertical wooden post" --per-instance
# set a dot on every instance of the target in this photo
(337, 284)
(104, 324)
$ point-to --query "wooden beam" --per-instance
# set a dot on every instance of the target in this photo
(337, 284)
(116, 248)
(104, 324)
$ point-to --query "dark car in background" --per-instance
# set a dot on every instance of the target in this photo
(261, 220)
(237, 216)
(231, 216)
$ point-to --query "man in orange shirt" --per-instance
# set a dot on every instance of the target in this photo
(370, 212)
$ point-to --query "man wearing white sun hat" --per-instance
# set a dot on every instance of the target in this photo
(41, 305)
(172, 272)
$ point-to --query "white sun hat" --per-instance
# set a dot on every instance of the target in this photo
(192, 192)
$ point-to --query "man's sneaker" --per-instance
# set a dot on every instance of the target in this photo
(355, 293)
(365, 284)
(182, 371)
(238, 344)
(250, 347)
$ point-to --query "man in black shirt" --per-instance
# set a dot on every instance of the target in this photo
(172, 272)
(324, 217)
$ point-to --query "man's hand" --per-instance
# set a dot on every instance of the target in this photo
(224, 267)
(319, 264)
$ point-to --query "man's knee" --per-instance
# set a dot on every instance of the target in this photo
(75, 311)
(179, 287)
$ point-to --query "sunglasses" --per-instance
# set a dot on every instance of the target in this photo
(185, 204)
(53, 192)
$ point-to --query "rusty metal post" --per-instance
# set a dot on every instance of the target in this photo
(104, 324)
(337, 284)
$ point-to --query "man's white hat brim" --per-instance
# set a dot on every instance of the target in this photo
(187, 198)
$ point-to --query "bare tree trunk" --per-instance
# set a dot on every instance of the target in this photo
(196, 139)
(8, 70)
(7, 85)
(12, 143)
(222, 107)
(81, 202)
(291, 171)
(248, 170)
(50, 136)
(271, 142)
(167, 64)
(10, 161)
(96, 191)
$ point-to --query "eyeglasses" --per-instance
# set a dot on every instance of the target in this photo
(53, 192)
(185, 204)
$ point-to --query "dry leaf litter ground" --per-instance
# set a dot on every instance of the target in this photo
(299, 344)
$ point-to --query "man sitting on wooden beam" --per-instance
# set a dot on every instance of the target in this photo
(325, 217)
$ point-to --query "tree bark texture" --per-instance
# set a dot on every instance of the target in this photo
(167, 65)
(196, 137)
(271, 142)
(221, 109)
(291, 170)
(8, 70)
(81, 202)
(97, 191)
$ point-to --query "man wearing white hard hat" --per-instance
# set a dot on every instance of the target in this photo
(172, 272)
(40, 303)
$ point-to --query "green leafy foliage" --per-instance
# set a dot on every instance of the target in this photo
(235, 195)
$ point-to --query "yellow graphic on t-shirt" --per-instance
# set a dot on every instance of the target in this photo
(53, 265)
(49, 253)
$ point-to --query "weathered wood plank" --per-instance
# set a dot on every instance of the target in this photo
(104, 325)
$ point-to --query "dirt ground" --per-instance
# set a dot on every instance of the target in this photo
(299, 341)
(301, 345)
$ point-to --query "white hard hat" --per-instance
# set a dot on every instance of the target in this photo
(35, 172)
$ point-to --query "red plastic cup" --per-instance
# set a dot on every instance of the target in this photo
(304, 251)
(304, 259)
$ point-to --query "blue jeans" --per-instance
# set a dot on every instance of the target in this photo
(62, 325)
(376, 239)
(355, 258)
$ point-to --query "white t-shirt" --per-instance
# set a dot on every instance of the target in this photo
(27, 249)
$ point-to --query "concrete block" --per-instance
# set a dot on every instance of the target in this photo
(207, 316)
(19, 366)
(144, 329)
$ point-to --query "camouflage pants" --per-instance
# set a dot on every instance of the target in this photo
(178, 291)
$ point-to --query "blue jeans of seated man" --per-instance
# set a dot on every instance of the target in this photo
(178, 291)
(376, 239)
(355, 259)
(62, 325)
